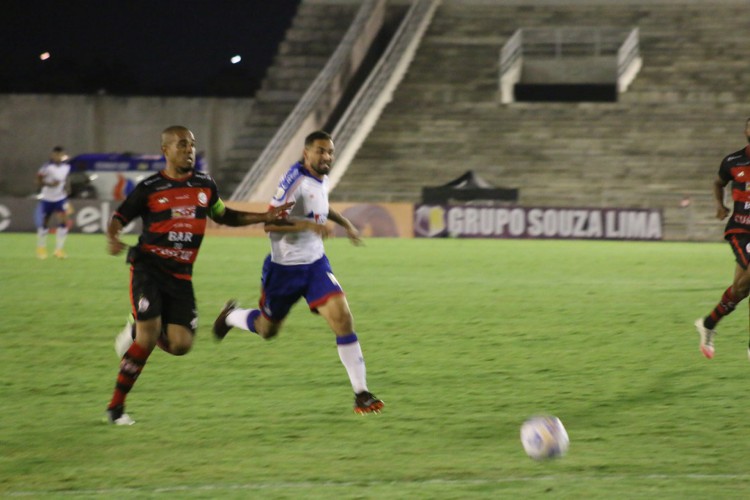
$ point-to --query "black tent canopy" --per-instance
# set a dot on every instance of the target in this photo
(467, 187)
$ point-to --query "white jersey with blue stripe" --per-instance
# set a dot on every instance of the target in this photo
(52, 172)
(310, 197)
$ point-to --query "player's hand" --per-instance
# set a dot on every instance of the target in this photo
(722, 212)
(320, 229)
(353, 234)
(115, 246)
(279, 212)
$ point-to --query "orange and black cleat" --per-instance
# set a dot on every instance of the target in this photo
(366, 402)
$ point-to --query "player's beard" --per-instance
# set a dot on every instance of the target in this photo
(322, 168)
(185, 169)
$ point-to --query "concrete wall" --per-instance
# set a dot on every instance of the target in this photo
(30, 125)
(569, 70)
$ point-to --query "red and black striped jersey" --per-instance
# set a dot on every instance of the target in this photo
(735, 169)
(174, 215)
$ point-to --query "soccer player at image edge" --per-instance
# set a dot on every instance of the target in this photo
(734, 169)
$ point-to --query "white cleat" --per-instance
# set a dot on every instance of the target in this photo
(707, 339)
(123, 420)
(124, 339)
(117, 416)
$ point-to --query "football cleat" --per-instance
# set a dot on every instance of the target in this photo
(220, 325)
(41, 253)
(366, 402)
(707, 338)
(125, 338)
(117, 416)
(60, 254)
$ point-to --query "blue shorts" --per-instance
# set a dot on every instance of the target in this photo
(47, 208)
(283, 286)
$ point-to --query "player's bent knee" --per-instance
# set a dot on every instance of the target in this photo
(269, 332)
(741, 289)
(180, 350)
(266, 328)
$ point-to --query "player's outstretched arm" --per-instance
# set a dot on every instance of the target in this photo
(351, 230)
(296, 226)
(235, 218)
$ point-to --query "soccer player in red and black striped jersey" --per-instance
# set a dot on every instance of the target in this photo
(734, 169)
(174, 205)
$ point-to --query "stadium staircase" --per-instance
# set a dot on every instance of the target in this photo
(659, 146)
(312, 38)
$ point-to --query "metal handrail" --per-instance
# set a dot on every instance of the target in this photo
(313, 99)
(359, 118)
(628, 51)
(567, 41)
(511, 51)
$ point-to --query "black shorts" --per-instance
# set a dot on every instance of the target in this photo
(155, 293)
(740, 244)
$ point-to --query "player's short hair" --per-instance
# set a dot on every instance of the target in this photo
(58, 149)
(170, 131)
(316, 136)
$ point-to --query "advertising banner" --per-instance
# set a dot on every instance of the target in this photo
(482, 221)
(387, 220)
(85, 216)
(374, 220)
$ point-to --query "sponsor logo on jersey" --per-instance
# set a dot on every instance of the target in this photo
(180, 236)
(183, 213)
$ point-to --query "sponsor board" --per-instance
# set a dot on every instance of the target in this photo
(389, 220)
(481, 221)
(85, 216)
(373, 220)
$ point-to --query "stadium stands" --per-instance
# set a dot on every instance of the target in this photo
(314, 35)
(657, 147)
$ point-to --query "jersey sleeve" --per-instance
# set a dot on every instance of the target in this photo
(288, 191)
(216, 205)
(134, 205)
(724, 174)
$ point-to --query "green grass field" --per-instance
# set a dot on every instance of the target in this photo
(463, 340)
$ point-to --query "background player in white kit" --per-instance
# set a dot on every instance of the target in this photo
(52, 178)
(298, 267)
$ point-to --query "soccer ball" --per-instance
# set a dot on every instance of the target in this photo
(544, 437)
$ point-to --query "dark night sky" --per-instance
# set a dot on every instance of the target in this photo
(140, 47)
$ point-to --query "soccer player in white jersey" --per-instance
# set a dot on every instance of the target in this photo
(298, 267)
(52, 178)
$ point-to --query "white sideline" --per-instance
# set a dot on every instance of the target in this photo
(290, 485)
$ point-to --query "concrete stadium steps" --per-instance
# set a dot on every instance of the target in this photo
(310, 41)
(663, 140)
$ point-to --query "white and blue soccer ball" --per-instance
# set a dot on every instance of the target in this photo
(544, 437)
